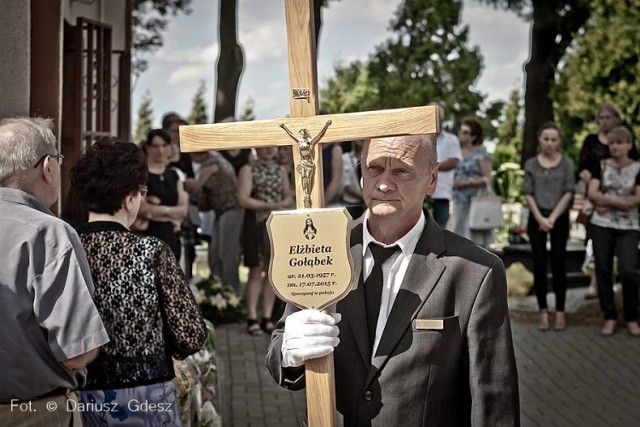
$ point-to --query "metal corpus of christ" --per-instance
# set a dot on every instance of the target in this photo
(318, 271)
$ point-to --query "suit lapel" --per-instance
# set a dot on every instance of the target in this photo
(352, 306)
(422, 276)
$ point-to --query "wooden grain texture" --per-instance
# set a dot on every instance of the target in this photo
(321, 399)
(301, 56)
(344, 127)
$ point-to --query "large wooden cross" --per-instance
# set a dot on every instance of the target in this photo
(303, 102)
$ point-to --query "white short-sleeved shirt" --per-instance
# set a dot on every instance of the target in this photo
(350, 164)
(448, 147)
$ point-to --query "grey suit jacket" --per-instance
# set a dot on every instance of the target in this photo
(464, 374)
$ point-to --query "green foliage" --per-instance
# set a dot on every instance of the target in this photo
(508, 180)
(218, 302)
(145, 118)
(198, 114)
(603, 66)
(150, 19)
(247, 111)
(350, 90)
(490, 115)
(509, 133)
(427, 59)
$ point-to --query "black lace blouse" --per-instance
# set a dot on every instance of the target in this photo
(146, 306)
(593, 151)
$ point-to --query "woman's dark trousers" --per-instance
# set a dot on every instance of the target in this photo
(559, 235)
(624, 244)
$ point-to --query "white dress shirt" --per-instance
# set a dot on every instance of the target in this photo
(447, 147)
(393, 269)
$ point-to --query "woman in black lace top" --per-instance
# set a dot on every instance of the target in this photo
(142, 295)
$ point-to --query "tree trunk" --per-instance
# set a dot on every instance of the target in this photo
(230, 62)
(551, 34)
(539, 76)
(317, 20)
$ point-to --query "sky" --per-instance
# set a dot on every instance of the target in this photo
(351, 29)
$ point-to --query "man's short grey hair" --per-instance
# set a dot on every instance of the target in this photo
(23, 141)
(427, 142)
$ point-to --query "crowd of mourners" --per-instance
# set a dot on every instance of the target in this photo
(115, 276)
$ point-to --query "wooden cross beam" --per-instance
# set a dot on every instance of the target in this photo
(303, 102)
(344, 127)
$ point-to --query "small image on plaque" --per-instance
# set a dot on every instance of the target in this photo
(310, 230)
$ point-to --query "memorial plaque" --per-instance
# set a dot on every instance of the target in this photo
(311, 263)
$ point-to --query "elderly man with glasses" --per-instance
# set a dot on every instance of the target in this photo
(50, 327)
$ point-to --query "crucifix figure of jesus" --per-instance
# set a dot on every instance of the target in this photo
(305, 168)
(305, 121)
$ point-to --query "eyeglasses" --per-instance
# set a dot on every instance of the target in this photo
(144, 190)
(58, 157)
(464, 132)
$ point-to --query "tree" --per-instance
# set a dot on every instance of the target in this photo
(427, 59)
(603, 66)
(198, 114)
(350, 90)
(317, 18)
(150, 19)
(145, 118)
(230, 62)
(554, 24)
(509, 133)
(231, 57)
(247, 111)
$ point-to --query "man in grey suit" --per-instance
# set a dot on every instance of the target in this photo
(436, 347)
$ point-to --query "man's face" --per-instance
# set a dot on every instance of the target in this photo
(397, 175)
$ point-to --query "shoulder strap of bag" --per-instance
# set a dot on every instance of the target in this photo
(489, 191)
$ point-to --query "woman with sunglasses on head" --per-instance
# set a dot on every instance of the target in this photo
(472, 176)
(141, 293)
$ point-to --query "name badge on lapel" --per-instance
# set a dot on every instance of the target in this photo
(429, 324)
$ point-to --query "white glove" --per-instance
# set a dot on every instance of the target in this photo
(308, 334)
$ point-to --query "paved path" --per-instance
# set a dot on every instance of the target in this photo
(570, 378)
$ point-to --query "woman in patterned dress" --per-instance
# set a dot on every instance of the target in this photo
(144, 300)
(263, 186)
(472, 175)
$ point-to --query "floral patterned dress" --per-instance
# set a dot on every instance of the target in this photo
(469, 168)
(268, 186)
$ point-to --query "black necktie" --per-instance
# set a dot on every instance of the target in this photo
(373, 288)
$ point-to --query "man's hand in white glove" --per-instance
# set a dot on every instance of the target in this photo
(308, 334)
